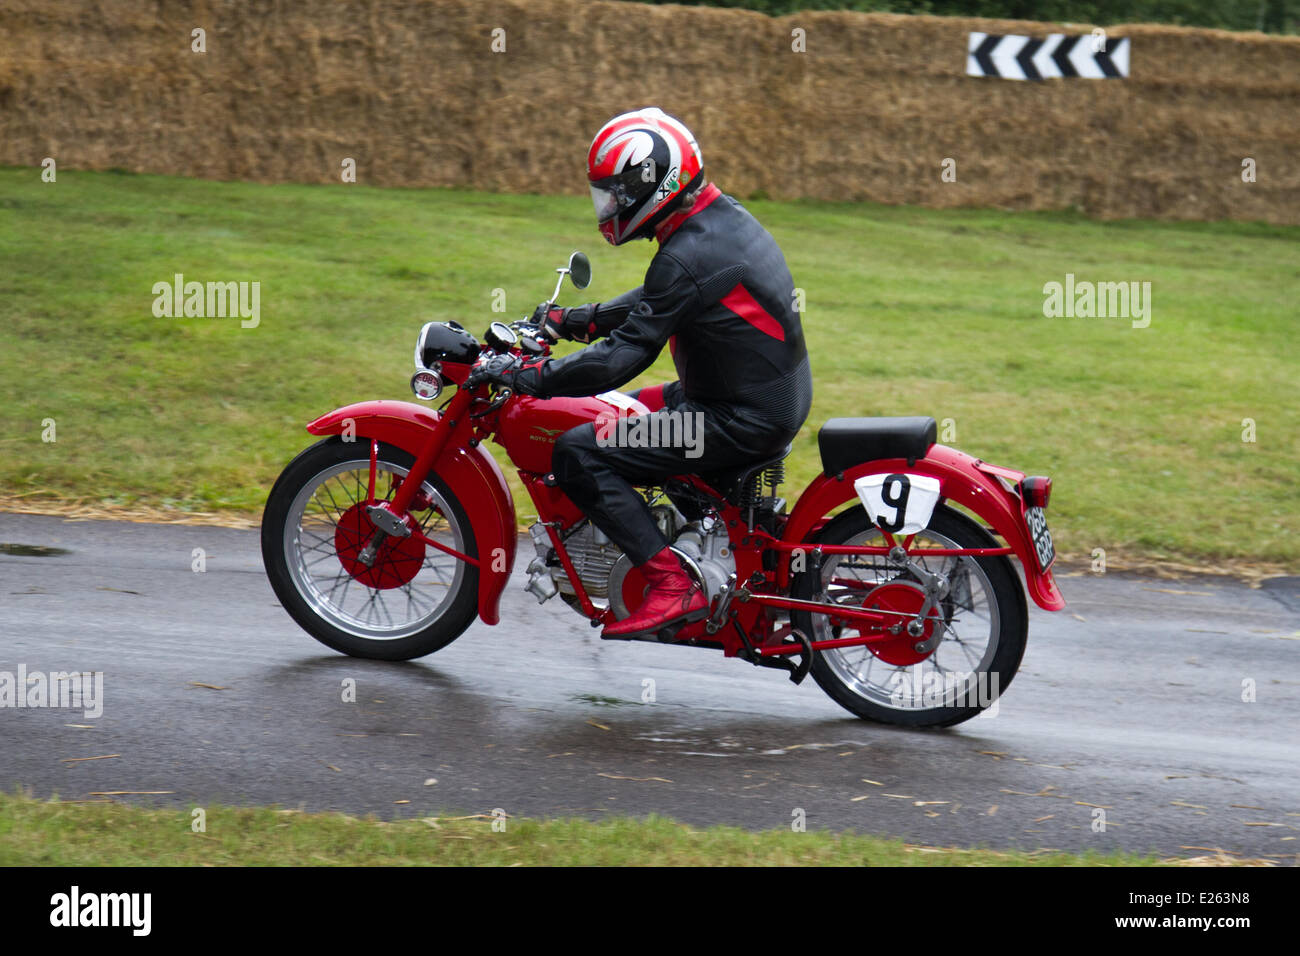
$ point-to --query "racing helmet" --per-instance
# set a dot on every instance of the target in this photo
(640, 166)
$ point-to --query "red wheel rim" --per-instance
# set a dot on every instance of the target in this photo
(397, 560)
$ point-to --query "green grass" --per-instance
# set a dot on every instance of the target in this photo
(909, 311)
(49, 833)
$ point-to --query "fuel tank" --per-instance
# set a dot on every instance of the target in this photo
(529, 427)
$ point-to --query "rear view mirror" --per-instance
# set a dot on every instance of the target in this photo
(580, 270)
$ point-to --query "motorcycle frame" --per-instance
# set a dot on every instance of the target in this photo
(449, 444)
(751, 627)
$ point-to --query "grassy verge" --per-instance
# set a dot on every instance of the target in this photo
(49, 833)
(908, 311)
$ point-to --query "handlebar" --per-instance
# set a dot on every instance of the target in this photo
(534, 340)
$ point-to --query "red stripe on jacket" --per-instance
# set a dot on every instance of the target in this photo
(739, 300)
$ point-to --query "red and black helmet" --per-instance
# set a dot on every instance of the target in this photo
(640, 165)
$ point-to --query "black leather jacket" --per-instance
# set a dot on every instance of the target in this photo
(719, 291)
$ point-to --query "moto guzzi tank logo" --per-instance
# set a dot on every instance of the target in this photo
(547, 434)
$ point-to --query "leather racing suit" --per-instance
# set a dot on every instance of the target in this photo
(718, 291)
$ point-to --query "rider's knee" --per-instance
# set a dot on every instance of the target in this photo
(573, 454)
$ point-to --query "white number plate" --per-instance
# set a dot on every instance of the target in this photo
(899, 504)
(1044, 550)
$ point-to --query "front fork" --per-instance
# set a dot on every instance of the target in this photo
(392, 518)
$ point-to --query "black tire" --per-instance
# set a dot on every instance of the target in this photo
(995, 575)
(456, 610)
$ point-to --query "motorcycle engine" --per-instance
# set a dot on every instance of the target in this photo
(703, 547)
(707, 544)
(593, 556)
(602, 566)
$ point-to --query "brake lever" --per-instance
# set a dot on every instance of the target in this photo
(501, 398)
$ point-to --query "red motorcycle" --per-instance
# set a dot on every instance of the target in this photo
(385, 539)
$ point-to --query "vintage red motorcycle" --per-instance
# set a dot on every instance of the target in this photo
(890, 580)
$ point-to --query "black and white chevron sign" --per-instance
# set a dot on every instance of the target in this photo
(1026, 58)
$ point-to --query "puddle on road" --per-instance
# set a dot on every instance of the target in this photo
(1284, 590)
(32, 550)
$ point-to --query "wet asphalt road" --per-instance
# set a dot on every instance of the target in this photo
(1130, 700)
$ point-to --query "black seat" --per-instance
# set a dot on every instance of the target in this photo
(731, 481)
(845, 442)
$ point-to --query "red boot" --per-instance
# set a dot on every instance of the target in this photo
(673, 599)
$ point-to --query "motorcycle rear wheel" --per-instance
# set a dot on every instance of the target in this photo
(425, 598)
(984, 618)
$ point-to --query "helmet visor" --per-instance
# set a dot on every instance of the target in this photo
(606, 203)
(622, 191)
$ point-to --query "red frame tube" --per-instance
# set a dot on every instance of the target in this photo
(452, 421)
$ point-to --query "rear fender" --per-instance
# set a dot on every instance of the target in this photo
(471, 473)
(961, 481)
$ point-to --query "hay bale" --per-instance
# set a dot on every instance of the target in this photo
(413, 92)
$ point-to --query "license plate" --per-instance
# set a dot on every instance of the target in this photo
(1044, 550)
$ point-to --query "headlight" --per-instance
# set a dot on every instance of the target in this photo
(426, 384)
(444, 342)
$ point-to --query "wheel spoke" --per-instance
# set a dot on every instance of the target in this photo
(967, 616)
(343, 577)
(324, 557)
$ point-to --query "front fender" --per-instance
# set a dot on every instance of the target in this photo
(961, 481)
(471, 473)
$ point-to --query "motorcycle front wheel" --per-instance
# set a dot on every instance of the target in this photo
(983, 619)
(410, 599)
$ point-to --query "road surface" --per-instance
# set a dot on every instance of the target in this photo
(1129, 704)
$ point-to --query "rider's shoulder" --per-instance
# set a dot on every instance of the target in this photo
(669, 267)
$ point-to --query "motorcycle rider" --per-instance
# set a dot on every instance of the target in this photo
(718, 291)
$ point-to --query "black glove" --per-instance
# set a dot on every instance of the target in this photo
(496, 369)
(557, 323)
(508, 371)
